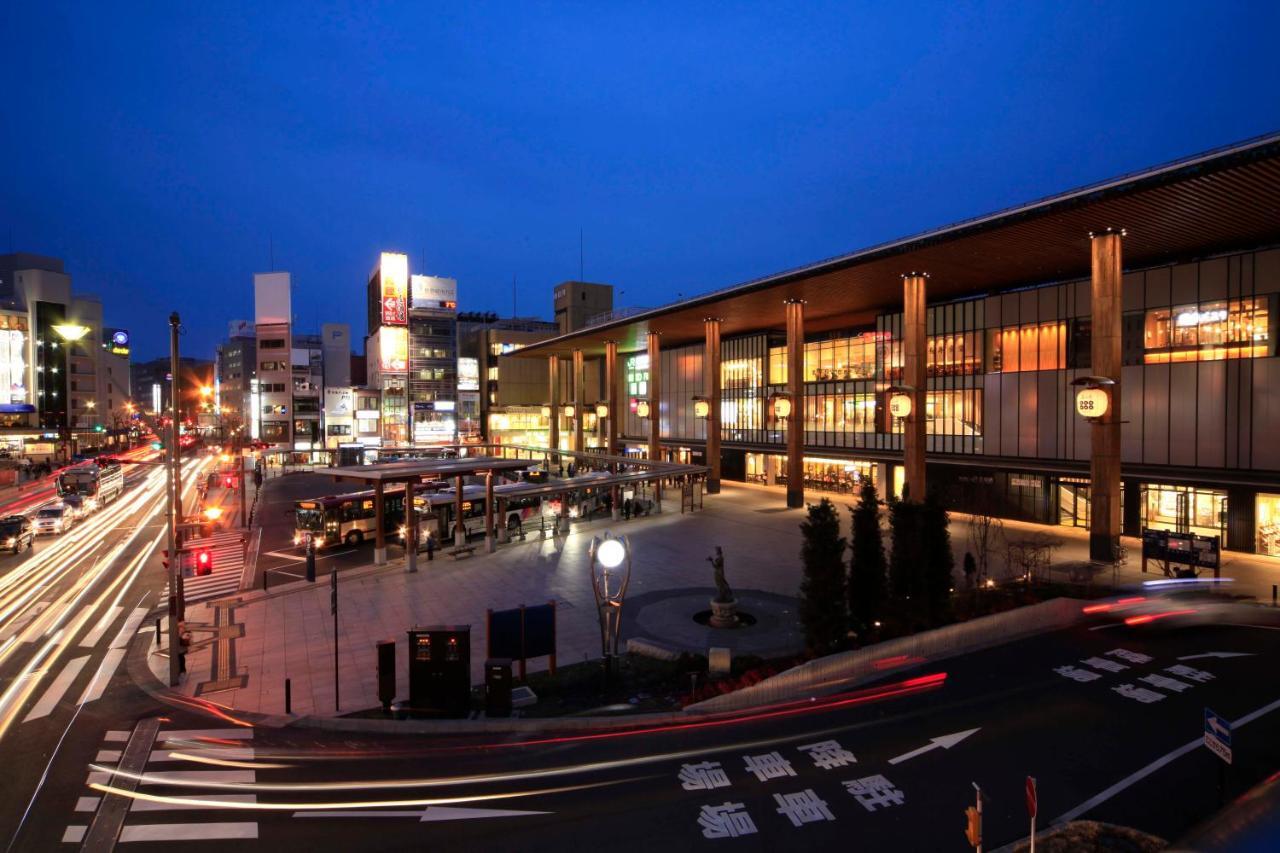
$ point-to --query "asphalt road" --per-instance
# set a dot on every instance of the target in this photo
(885, 783)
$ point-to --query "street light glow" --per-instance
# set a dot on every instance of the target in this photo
(611, 553)
(71, 331)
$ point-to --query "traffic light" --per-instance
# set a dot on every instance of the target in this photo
(228, 481)
(204, 561)
(973, 831)
(157, 445)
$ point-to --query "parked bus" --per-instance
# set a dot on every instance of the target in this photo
(349, 518)
(98, 484)
(516, 510)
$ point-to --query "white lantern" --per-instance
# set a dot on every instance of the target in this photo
(569, 412)
(642, 408)
(611, 553)
(546, 411)
(1092, 402)
(782, 407)
(900, 405)
(602, 410)
(701, 407)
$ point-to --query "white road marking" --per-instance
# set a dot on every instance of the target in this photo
(74, 834)
(1218, 655)
(153, 806)
(97, 777)
(945, 741)
(129, 628)
(88, 804)
(53, 695)
(193, 734)
(37, 627)
(239, 777)
(116, 736)
(106, 756)
(1138, 776)
(85, 612)
(94, 636)
(189, 831)
(20, 622)
(282, 555)
(235, 753)
(94, 689)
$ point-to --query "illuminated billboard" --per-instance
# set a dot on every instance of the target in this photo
(119, 343)
(431, 291)
(13, 365)
(394, 275)
(393, 349)
(468, 374)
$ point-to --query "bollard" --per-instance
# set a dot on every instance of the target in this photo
(158, 632)
(1274, 589)
(288, 697)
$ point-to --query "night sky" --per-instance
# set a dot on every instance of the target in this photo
(163, 151)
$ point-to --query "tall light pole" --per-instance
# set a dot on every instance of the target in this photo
(175, 507)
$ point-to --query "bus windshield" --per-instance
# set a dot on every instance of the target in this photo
(310, 519)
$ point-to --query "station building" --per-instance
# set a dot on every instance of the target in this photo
(1162, 284)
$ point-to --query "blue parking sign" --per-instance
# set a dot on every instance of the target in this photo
(1217, 735)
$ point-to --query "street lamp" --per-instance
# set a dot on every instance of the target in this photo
(900, 400)
(569, 411)
(546, 412)
(610, 576)
(642, 408)
(701, 407)
(71, 332)
(602, 409)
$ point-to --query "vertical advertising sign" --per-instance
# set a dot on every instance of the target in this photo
(468, 374)
(394, 275)
(393, 349)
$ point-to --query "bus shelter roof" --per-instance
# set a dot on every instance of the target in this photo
(399, 472)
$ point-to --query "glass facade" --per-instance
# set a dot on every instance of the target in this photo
(1034, 346)
(1185, 509)
(1207, 331)
(1267, 513)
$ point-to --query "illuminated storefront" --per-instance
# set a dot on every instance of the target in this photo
(1267, 514)
(1208, 331)
(1185, 509)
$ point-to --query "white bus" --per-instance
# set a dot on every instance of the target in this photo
(98, 484)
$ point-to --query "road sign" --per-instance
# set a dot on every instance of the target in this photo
(1031, 797)
(1217, 735)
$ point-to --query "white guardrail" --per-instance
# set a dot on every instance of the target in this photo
(841, 671)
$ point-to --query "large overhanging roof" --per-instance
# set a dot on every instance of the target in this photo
(1214, 202)
(400, 472)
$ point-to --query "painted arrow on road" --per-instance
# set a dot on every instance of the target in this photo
(945, 741)
(1218, 655)
(430, 813)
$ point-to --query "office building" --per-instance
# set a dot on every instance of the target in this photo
(576, 302)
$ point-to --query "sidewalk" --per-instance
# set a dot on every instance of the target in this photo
(288, 631)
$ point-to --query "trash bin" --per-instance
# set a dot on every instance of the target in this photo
(497, 687)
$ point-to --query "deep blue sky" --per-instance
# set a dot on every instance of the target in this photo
(159, 151)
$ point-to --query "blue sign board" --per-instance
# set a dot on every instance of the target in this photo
(1217, 735)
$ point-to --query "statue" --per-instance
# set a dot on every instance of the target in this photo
(723, 593)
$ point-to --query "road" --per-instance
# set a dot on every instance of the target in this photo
(69, 609)
(890, 766)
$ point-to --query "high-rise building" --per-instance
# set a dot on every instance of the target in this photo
(272, 388)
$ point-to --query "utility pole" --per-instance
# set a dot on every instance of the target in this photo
(175, 508)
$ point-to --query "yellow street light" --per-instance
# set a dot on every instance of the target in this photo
(213, 513)
(71, 331)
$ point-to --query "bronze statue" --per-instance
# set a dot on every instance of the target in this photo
(723, 593)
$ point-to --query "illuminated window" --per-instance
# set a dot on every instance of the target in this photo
(1209, 331)
(636, 375)
(1034, 346)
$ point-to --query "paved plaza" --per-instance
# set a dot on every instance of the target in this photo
(287, 633)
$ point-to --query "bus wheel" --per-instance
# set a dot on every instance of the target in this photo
(355, 537)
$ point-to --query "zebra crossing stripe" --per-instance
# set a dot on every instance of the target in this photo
(94, 689)
(189, 832)
(53, 695)
(91, 639)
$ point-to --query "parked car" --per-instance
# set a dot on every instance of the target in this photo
(53, 519)
(16, 533)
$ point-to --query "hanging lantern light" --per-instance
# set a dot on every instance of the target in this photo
(569, 411)
(546, 411)
(642, 408)
(900, 405)
(781, 406)
(701, 406)
(602, 409)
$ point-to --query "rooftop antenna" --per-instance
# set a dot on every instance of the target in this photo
(580, 265)
(513, 296)
(271, 252)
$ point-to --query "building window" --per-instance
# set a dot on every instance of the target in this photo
(1033, 346)
(1268, 520)
(271, 344)
(1208, 331)
(1185, 509)
(953, 355)
(271, 366)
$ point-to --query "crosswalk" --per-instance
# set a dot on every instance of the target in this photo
(171, 802)
(228, 568)
(64, 675)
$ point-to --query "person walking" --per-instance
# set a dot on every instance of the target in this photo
(431, 546)
(626, 509)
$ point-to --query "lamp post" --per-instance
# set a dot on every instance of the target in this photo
(610, 576)
(70, 333)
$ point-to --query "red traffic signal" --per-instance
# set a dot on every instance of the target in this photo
(204, 561)
(973, 827)
(228, 481)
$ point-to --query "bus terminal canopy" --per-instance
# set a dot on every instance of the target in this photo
(400, 472)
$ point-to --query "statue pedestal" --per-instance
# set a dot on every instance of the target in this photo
(724, 614)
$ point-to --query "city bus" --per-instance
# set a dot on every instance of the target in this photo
(349, 518)
(516, 510)
(98, 484)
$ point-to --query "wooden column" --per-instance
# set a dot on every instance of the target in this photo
(579, 445)
(1104, 463)
(459, 526)
(711, 382)
(913, 375)
(553, 396)
(379, 520)
(655, 413)
(489, 544)
(795, 390)
(611, 397)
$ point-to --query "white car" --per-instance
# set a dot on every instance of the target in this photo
(52, 519)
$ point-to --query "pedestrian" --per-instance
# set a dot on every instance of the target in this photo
(431, 546)
(626, 509)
